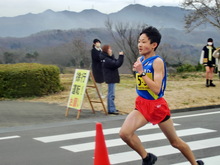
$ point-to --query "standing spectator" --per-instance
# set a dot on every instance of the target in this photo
(208, 61)
(111, 74)
(97, 65)
(216, 54)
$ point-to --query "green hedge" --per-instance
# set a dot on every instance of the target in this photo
(190, 68)
(28, 79)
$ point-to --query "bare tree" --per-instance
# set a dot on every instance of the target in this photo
(202, 12)
(180, 58)
(9, 58)
(80, 53)
(125, 37)
(165, 51)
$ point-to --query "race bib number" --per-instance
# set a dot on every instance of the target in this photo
(141, 85)
(205, 60)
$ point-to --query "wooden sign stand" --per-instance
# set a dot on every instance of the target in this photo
(89, 98)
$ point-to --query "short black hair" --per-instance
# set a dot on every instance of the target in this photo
(153, 34)
(210, 40)
(96, 40)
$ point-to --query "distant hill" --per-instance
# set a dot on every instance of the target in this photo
(161, 17)
(28, 24)
(25, 25)
(58, 43)
(51, 38)
(51, 34)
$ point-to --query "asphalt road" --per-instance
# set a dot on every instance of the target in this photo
(21, 113)
(71, 142)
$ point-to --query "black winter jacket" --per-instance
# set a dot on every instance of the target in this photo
(206, 56)
(110, 67)
(97, 66)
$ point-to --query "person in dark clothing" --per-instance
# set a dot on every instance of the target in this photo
(97, 65)
(208, 61)
(111, 75)
(216, 54)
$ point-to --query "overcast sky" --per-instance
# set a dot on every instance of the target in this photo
(19, 7)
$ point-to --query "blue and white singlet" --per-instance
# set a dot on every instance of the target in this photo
(142, 88)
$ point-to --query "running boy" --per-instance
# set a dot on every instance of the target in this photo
(150, 105)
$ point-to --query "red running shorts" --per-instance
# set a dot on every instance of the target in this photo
(154, 111)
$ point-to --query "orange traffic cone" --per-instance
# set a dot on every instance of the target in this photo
(101, 152)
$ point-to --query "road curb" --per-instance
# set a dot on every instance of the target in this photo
(195, 108)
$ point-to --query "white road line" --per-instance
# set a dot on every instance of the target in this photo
(143, 138)
(196, 115)
(78, 135)
(163, 150)
(207, 161)
(9, 137)
(56, 138)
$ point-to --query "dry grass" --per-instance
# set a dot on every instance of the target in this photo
(183, 91)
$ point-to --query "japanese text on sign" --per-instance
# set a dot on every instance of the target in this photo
(78, 88)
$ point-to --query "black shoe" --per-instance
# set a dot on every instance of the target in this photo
(200, 162)
(113, 113)
(212, 85)
(149, 160)
(207, 83)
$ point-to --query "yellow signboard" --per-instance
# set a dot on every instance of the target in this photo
(78, 88)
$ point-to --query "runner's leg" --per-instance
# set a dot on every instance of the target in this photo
(170, 132)
(133, 121)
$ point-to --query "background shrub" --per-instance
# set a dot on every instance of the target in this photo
(190, 68)
(28, 79)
